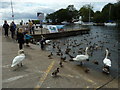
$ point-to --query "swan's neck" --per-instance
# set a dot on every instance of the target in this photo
(22, 54)
(86, 52)
(106, 53)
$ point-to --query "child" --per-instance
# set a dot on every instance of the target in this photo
(27, 38)
(20, 38)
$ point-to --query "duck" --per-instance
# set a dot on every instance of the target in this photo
(55, 72)
(95, 62)
(60, 63)
(63, 58)
(51, 54)
(18, 59)
(81, 58)
(106, 61)
(70, 56)
(87, 70)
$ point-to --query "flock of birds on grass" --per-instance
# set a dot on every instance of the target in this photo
(66, 51)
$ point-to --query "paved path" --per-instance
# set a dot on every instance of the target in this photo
(37, 69)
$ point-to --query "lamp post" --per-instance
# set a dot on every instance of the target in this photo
(41, 18)
(12, 10)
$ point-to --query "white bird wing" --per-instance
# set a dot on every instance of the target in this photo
(17, 60)
(80, 57)
(107, 62)
(47, 41)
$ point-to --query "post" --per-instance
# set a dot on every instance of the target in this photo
(12, 10)
(72, 27)
(41, 18)
(109, 11)
(41, 25)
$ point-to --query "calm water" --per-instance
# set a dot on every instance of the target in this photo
(100, 37)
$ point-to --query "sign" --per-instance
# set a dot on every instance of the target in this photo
(52, 28)
(60, 28)
(40, 16)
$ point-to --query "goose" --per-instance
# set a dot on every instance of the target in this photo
(82, 57)
(107, 61)
(18, 59)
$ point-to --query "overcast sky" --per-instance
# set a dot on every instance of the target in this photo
(27, 9)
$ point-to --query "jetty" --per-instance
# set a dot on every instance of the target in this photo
(37, 69)
(66, 33)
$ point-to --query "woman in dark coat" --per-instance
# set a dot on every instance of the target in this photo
(20, 38)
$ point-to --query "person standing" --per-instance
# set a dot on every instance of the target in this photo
(42, 42)
(6, 27)
(12, 29)
(30, 24)
(20, 38)
(33, 29)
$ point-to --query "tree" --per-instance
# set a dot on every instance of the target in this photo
(98, 18)
(108, 12)
(117, 11)
(71, 8)
(86, 11)
(63, 15)
(72, 13)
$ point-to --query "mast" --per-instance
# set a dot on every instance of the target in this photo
(12, 10)
(109, 12)
(89, 13)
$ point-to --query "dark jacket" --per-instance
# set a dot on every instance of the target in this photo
(12, 27)
(20, 37)
(6, 26)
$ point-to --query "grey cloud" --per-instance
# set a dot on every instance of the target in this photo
(26, 15)
(45, 10)
(19, 16)
(5, 4)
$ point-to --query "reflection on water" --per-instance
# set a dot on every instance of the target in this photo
(99, 38)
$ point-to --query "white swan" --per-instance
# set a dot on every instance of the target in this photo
(82, 57)
(18, 59)
(107, 61)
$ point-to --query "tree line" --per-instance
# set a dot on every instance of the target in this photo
(110, 13)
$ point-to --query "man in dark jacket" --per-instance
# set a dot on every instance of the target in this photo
(6, 27)
(12, 29)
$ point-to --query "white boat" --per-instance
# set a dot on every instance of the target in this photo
(87, 23)
(110, 24)
(65, 22)
(78, 22)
